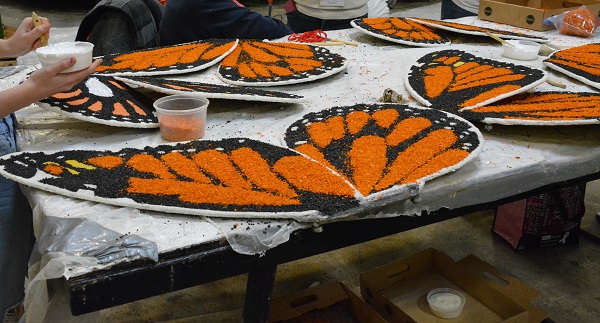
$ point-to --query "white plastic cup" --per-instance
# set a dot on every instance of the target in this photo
(54, 53)
(446, 303)
(181, 117)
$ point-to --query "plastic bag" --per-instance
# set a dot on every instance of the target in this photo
(580, 22)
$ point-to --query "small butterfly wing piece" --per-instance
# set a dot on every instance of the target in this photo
(540, 108)
(177, 59)
(478, 31)
(453, 80)
(400, 30)
(211, 91)
(581, 63)
(104, 100)
(234, 177)
(257, 63)
(380, 148)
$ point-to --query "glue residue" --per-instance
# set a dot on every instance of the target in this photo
(65, 48)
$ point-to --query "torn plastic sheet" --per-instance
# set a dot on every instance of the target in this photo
(250, 237)
(44, 305)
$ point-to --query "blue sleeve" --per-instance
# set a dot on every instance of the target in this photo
(191, 20)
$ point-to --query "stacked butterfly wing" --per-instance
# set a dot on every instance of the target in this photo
(486, 90)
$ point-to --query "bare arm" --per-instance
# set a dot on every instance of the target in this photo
(25, 39)
(42, 84)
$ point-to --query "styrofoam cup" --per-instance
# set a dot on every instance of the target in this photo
(54, 53)
(181, 117)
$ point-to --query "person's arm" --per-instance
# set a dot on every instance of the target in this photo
(25, 39)
(186, 21)
(42, 84)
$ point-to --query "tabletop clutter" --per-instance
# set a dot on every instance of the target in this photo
(335, 160)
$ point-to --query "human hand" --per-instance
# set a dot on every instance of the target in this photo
(49, 80)
(25, 39)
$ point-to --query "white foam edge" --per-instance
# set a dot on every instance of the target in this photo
(572, 75)
(212, 95)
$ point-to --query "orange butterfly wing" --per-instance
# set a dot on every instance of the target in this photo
(581, 63)
(452, 80)
(198, 177)
(400, 30)
(378, 147)
(540, 108)
(270, 63)
(176, 59)
(105, 100)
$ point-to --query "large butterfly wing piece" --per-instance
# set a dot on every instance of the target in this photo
(454, 80)
(210, 91)
(232, 177)
(347, 159)
(386, 149)
(104, 100)
(581, 63)
(540, 109)
(477, 31)
(400, 30)
(177, 59)
(258, 63)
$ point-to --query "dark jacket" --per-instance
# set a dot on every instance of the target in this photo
(190, 20)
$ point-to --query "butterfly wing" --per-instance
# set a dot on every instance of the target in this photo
(454, 80)
(540, 108)
(400, 30)
(257, 63)
(581, 63)
(177, 59)
(104, 100)
(382, 148)
(477, 31)
(227, 178)
(211, 91)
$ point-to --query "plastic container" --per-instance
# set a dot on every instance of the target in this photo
(446, 303)
(181, 117)
(523, 50)
(54, 53)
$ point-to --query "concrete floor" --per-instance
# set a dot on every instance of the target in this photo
(568, 277)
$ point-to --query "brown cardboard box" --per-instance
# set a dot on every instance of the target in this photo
(333, 302)
(530, 13)
(398, 291)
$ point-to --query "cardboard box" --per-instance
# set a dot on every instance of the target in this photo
(530, 13)
(332, 302)
(398, 290)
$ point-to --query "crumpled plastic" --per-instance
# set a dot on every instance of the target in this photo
(86, 238)
(66, 243)
(580, 22)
